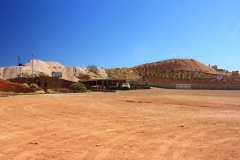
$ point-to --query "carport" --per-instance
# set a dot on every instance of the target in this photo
(103, 82)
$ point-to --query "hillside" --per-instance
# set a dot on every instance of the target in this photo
(41, 68)
(171, 70)
(183, 69)
(177, 65)
(127, 73)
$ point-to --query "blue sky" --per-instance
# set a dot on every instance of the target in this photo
(120, 33)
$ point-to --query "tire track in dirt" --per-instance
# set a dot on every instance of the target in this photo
(99, 126)
(179, 143)
(59, 143)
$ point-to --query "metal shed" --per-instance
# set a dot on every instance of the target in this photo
(103, 82)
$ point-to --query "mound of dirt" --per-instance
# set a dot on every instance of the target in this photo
(38, 67)
(182, 69)
(177, 65)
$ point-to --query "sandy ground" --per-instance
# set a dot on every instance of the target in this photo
(140, 124)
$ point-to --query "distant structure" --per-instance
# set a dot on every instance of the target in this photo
(20, 62)
(220, 70)
(219, 77)
(235, 73)
(215, 67)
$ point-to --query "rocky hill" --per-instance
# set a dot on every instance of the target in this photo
(188, 69)
(41, 68)
(177, 65)
(172, 70)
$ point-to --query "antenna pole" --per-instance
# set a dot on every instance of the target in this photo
(32, 66)
(209, 58)
(227, 63)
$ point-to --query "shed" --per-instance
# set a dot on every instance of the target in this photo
(103, 82)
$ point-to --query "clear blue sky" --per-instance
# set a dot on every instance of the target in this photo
(120, 33)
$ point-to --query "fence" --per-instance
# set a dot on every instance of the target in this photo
(186, 86)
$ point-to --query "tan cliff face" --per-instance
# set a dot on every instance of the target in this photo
(167, 69)
(38, 68)
(1, 73)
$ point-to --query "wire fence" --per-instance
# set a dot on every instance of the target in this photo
(186, 86)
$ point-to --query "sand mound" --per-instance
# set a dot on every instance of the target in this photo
(68, 73)
(102, 72)
(177, 64)
(1, 73)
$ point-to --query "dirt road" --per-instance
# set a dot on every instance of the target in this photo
(140, 124)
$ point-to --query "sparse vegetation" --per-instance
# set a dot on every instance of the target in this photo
(78, 86)
(52, 91)
(33, 85)
(25, 84)
(93, 68)
(124, 73)
(3, 94)
(40, 92)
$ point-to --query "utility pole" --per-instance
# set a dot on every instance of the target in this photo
(209, 60)
(227, 63)
(32, 66)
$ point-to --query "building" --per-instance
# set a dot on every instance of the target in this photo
(215, 67)
(103, 82)
(235, 73)
(44, 82)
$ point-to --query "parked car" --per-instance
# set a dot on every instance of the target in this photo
(113, 86)
(126, 86)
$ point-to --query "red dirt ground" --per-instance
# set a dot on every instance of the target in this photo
(138, 124)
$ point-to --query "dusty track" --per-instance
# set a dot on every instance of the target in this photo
(143, 124)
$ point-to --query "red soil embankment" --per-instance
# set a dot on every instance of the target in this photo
(14, 87)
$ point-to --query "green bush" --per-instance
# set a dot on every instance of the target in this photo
(52, 91)
(25, 84)
(78, 86)
(3, 94)
(40, 92)
(33, 85)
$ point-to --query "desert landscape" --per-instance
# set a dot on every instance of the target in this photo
(122, 80)
(138, 124)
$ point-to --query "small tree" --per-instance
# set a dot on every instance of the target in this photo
(25, 84)
(93, 68)
(78, 86)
